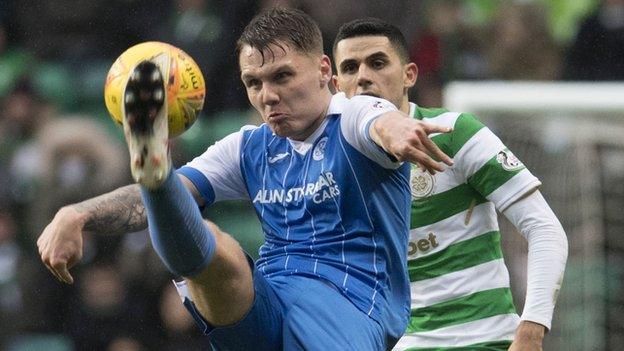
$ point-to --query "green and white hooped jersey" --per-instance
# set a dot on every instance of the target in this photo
(460, 292)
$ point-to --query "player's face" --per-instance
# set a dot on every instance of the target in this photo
(288, 88)
(370, 65)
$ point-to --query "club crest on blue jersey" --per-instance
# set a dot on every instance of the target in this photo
(319, 150)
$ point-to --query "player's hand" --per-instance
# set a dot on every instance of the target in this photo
(407, 139)
(60, 244)
(529, 337)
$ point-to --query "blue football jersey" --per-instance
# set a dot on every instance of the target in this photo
(333, 207)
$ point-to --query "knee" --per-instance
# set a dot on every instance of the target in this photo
(229, 258)
(223, 241)
(213, 227)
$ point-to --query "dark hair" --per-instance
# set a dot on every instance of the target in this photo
(282, 26)
(372, 27)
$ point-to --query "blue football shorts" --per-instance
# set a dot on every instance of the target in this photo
(294, 313)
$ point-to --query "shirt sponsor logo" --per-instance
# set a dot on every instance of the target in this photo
(422, 245)
(278, 157)
(319, 149)
(421, 183)
(509, 161)
(323, 189)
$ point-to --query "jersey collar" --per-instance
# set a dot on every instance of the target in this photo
(302, 147)
(413, 111)
(335, 106)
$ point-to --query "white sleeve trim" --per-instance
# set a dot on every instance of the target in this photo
(357, 116)
(548, 252)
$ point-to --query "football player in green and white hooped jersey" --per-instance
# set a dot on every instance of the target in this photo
(460, 292)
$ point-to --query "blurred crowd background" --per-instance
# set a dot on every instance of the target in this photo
(58, 145)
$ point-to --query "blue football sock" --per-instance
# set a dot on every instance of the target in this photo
(178, 232)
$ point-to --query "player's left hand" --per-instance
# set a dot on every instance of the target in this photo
(529, 337)
(60, 244)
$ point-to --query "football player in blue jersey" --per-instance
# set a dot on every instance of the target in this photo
(326, 176)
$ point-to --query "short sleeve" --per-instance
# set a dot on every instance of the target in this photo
(488, 165)
(216, 173)
(357, 115)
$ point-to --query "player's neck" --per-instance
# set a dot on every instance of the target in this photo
(405, 105)
(311, 129)
(317, 121)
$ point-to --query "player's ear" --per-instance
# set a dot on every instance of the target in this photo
(326, 71)
(410, 74)
(335, 82)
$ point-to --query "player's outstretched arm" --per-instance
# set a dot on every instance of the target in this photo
(60, 244)
(548, 251)
(407, 139)
(118, 212)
